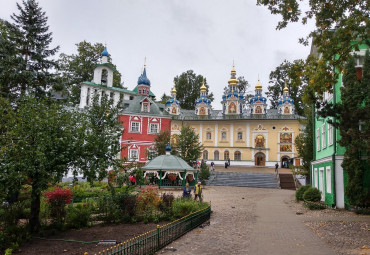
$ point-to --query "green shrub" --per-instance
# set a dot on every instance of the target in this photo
(204, 173)
(312, 194)
(184, 206)
(78, 216)
(108, 210)
(314, 206)
(299, 193)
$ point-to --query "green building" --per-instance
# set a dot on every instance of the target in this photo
(327, 173)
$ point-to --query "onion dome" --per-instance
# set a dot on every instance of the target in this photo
(285, 98)
(105, 52)
(233, 80)
(171, 101)
(203, 99)
(168, 147)
(259, 85)
(203, 88)
(258, 98)
(233, 94)
(143, 80)
(173, 91)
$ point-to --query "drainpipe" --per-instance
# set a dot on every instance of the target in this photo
(335, 149)
(314, 143)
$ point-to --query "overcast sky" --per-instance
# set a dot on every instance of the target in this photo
(175, 36)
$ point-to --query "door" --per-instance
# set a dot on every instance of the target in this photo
(260, 159)
(321, 182)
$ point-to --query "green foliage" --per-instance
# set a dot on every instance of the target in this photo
(77, 68)
(78, 216)
(299, 193)
(148, 199)
(315, 205)
(164, 99)
(188, 146)
(161, 140)
(28, 64)
(188, 89)
(312, 194)
(204, 172)
(339, 28)
(183, 206)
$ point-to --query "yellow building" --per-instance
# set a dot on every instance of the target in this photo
(246, 133)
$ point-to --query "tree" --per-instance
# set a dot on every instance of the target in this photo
(352, 118)
(161, 140)
(164, 98)
(30, 40)
(188, 146)
(340, 27)
(77, 68)
(37, 143)
(243, 86)
(291, 73)
(188, 89)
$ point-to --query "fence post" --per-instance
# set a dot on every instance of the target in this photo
(160, 178)
(183, 179)
(158, 239)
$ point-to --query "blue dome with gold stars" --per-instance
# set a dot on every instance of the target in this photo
(143, 80)
(203, 99)
(233, 94)
(285, 99)
(257, 98)
(171, 101)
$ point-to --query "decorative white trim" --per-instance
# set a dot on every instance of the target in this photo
(248, 136)
(216, 135)
(231, 135)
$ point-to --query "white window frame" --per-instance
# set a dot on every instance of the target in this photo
(316, 177)
(209, 136)
(241, 136)
(133, 127)
(205, 153)
(222, 137)
(318, 142)
(134, 151)
(145, 108)
(330, 134)
(152, 125)
(328, 179)
(323, 136)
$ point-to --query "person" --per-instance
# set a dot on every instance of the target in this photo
(226, 164)
(132, 179)
(212, 166)
(198, 191)
(276, 167)
(187, 191)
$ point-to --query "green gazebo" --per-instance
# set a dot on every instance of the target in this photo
(170, 171)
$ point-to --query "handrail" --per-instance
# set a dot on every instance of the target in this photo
(278, 177)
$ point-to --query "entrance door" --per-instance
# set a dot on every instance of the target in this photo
(284, 162)
(321, 182)
(259, 159)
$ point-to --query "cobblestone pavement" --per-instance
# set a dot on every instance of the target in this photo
(249, 221)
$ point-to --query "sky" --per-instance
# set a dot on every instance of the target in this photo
(175, 36)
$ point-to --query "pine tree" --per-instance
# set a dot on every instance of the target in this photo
(31, 40)
(188, 89)
(161, 141)
(188, 146)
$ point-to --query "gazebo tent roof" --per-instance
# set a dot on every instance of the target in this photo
(168, 162)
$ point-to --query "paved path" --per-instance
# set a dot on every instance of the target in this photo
(250, 221)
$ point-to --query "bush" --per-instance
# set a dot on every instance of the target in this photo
(183, 206)
(314, 206)
(299, 193)
(204, 173)
(78, 216)
(57, 201)
(148, 199)
(312, 194)
(108, 210)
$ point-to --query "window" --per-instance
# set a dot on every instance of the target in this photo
(328, 179)
(237, 156)
(209, 136)
(316, 183)
(154, 128)
(151, 154)
(88, 96)
(216, 155)
(223, 135)
(258, 109)
(145, 108)
(205, 155)
(144, 92)
(104, 77)
(240, 136)
(226, 155)
(323, 136)
(135, 126)
(318, 139)
(133, 154)
(330, 134)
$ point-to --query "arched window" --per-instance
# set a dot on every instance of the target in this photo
(240, 136)
(258, 109)
(286, 109)
(226, 155)
(205, 155)
(209, 136)
(216, 155)
(237, 155)
(104, 77)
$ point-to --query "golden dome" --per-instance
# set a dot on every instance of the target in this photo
(173, 91)
(203, 87)
(259, 85)
(233, 81)
(285, 90)
(233, 70)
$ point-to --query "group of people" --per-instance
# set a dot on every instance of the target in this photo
(197, 191)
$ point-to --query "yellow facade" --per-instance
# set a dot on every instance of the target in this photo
(262, 142)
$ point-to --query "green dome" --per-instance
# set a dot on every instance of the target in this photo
(167, 162)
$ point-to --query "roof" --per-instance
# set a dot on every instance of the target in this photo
(168, 162)
(109, 88)
(150, 92)
(272, 114)
(134, 107)
(107, 65)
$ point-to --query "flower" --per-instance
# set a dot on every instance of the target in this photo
(172, 177)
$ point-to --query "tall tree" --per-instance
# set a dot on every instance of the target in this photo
(291, 73)
(161, 141)
(31, 41)
(76, 68)
(164, 98)
(188, 89)
(188, 146)
(352, 117)
(340, 27)
(244, 87)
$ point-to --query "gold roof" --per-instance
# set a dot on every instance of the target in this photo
(233, 70)
(285, 90)
(173, 91)
(259, 85)
(203, 87)
(233, 81)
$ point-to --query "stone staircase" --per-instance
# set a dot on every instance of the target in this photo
(287, 181)
(257, 180)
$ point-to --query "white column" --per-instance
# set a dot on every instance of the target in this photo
(201, 133)
(247, 134)
(216, 135)
(339, 183)
(83, 96)
(232, 135)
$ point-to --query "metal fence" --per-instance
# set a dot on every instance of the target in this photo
(154, 240)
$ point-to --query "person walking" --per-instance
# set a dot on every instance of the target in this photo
(187, 191)
(212, 166)
(276, 167)
(198, 191)
(228, 162)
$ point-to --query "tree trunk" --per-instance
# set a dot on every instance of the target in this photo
(35, 210)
